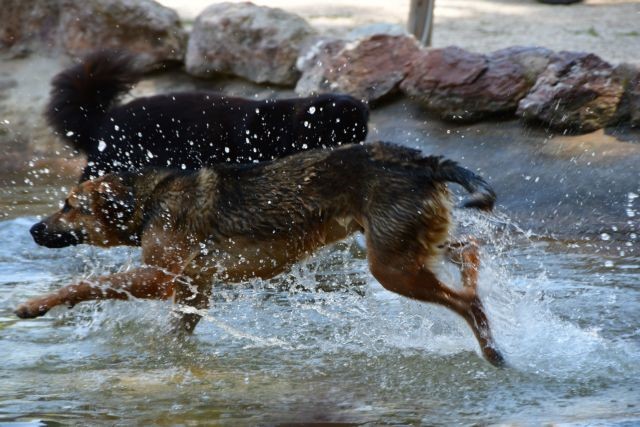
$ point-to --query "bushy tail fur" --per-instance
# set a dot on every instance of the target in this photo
(482, 195)
(440, 169)
(83, 93)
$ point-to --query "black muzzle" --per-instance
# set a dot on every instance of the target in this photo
(43, 236)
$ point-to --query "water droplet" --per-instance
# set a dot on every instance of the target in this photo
(101, 145)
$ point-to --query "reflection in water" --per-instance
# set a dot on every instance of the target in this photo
(325, 342)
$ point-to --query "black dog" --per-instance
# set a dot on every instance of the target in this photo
(187, 130)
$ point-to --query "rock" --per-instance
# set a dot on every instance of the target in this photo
(460, 85)
(532, 59)
(633, 92)
(369, 69)
(312, 64)
(258, 43)
(141, 26)
(576, 92)
(29, 25)
(629, 107)
(73, 27)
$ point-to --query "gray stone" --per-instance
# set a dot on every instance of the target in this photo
(29, 26)
(73, 27)
(532, 59)
(140, 26)
(258, 43)
(629, 107)
(634, 102)
(312, 63)
(369, 69)
(576, 92)
(460, 85)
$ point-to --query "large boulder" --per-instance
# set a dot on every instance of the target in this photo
(633, 97)
(76, 27)
(315, 58)
(460, 85)
(370, 68)
(628, 76)
(258, 43)
(533, 59)
(576, 92)
(29, 26)
(142, 26)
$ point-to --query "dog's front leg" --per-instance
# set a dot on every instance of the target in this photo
(192, 295)
(144, 282)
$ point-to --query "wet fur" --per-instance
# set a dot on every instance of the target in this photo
(193, 129)
(231, 223)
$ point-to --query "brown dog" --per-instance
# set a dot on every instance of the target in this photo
(230, 223)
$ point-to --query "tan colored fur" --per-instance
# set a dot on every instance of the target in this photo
(229, 224)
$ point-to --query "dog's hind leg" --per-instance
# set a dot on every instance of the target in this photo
(466, 254)
(144, 282)
(412, 280)
(191, 293)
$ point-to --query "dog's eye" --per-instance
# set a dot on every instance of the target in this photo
(67, 207)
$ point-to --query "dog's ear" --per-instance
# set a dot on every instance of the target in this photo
(115, 200)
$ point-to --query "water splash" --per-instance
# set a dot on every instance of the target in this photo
(530, 310)
(331, 304)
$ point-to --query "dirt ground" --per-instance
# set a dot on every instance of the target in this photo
(609, 28)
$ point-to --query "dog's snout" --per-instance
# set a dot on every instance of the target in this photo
(43, 235)
(38, 230)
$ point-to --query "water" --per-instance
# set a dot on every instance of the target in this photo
(325, 342)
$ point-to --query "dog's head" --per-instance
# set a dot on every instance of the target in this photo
(97, 212)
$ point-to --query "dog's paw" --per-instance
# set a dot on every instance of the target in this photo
(30, 310)
(494, 357)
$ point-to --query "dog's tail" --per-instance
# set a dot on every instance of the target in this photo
(83, 93)
(482, 195)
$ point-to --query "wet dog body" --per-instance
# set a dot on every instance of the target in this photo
(230, 223)
(191, 129)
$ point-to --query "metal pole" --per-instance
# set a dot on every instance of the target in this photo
(420, 22)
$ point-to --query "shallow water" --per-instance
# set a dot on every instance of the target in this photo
(326, 343)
